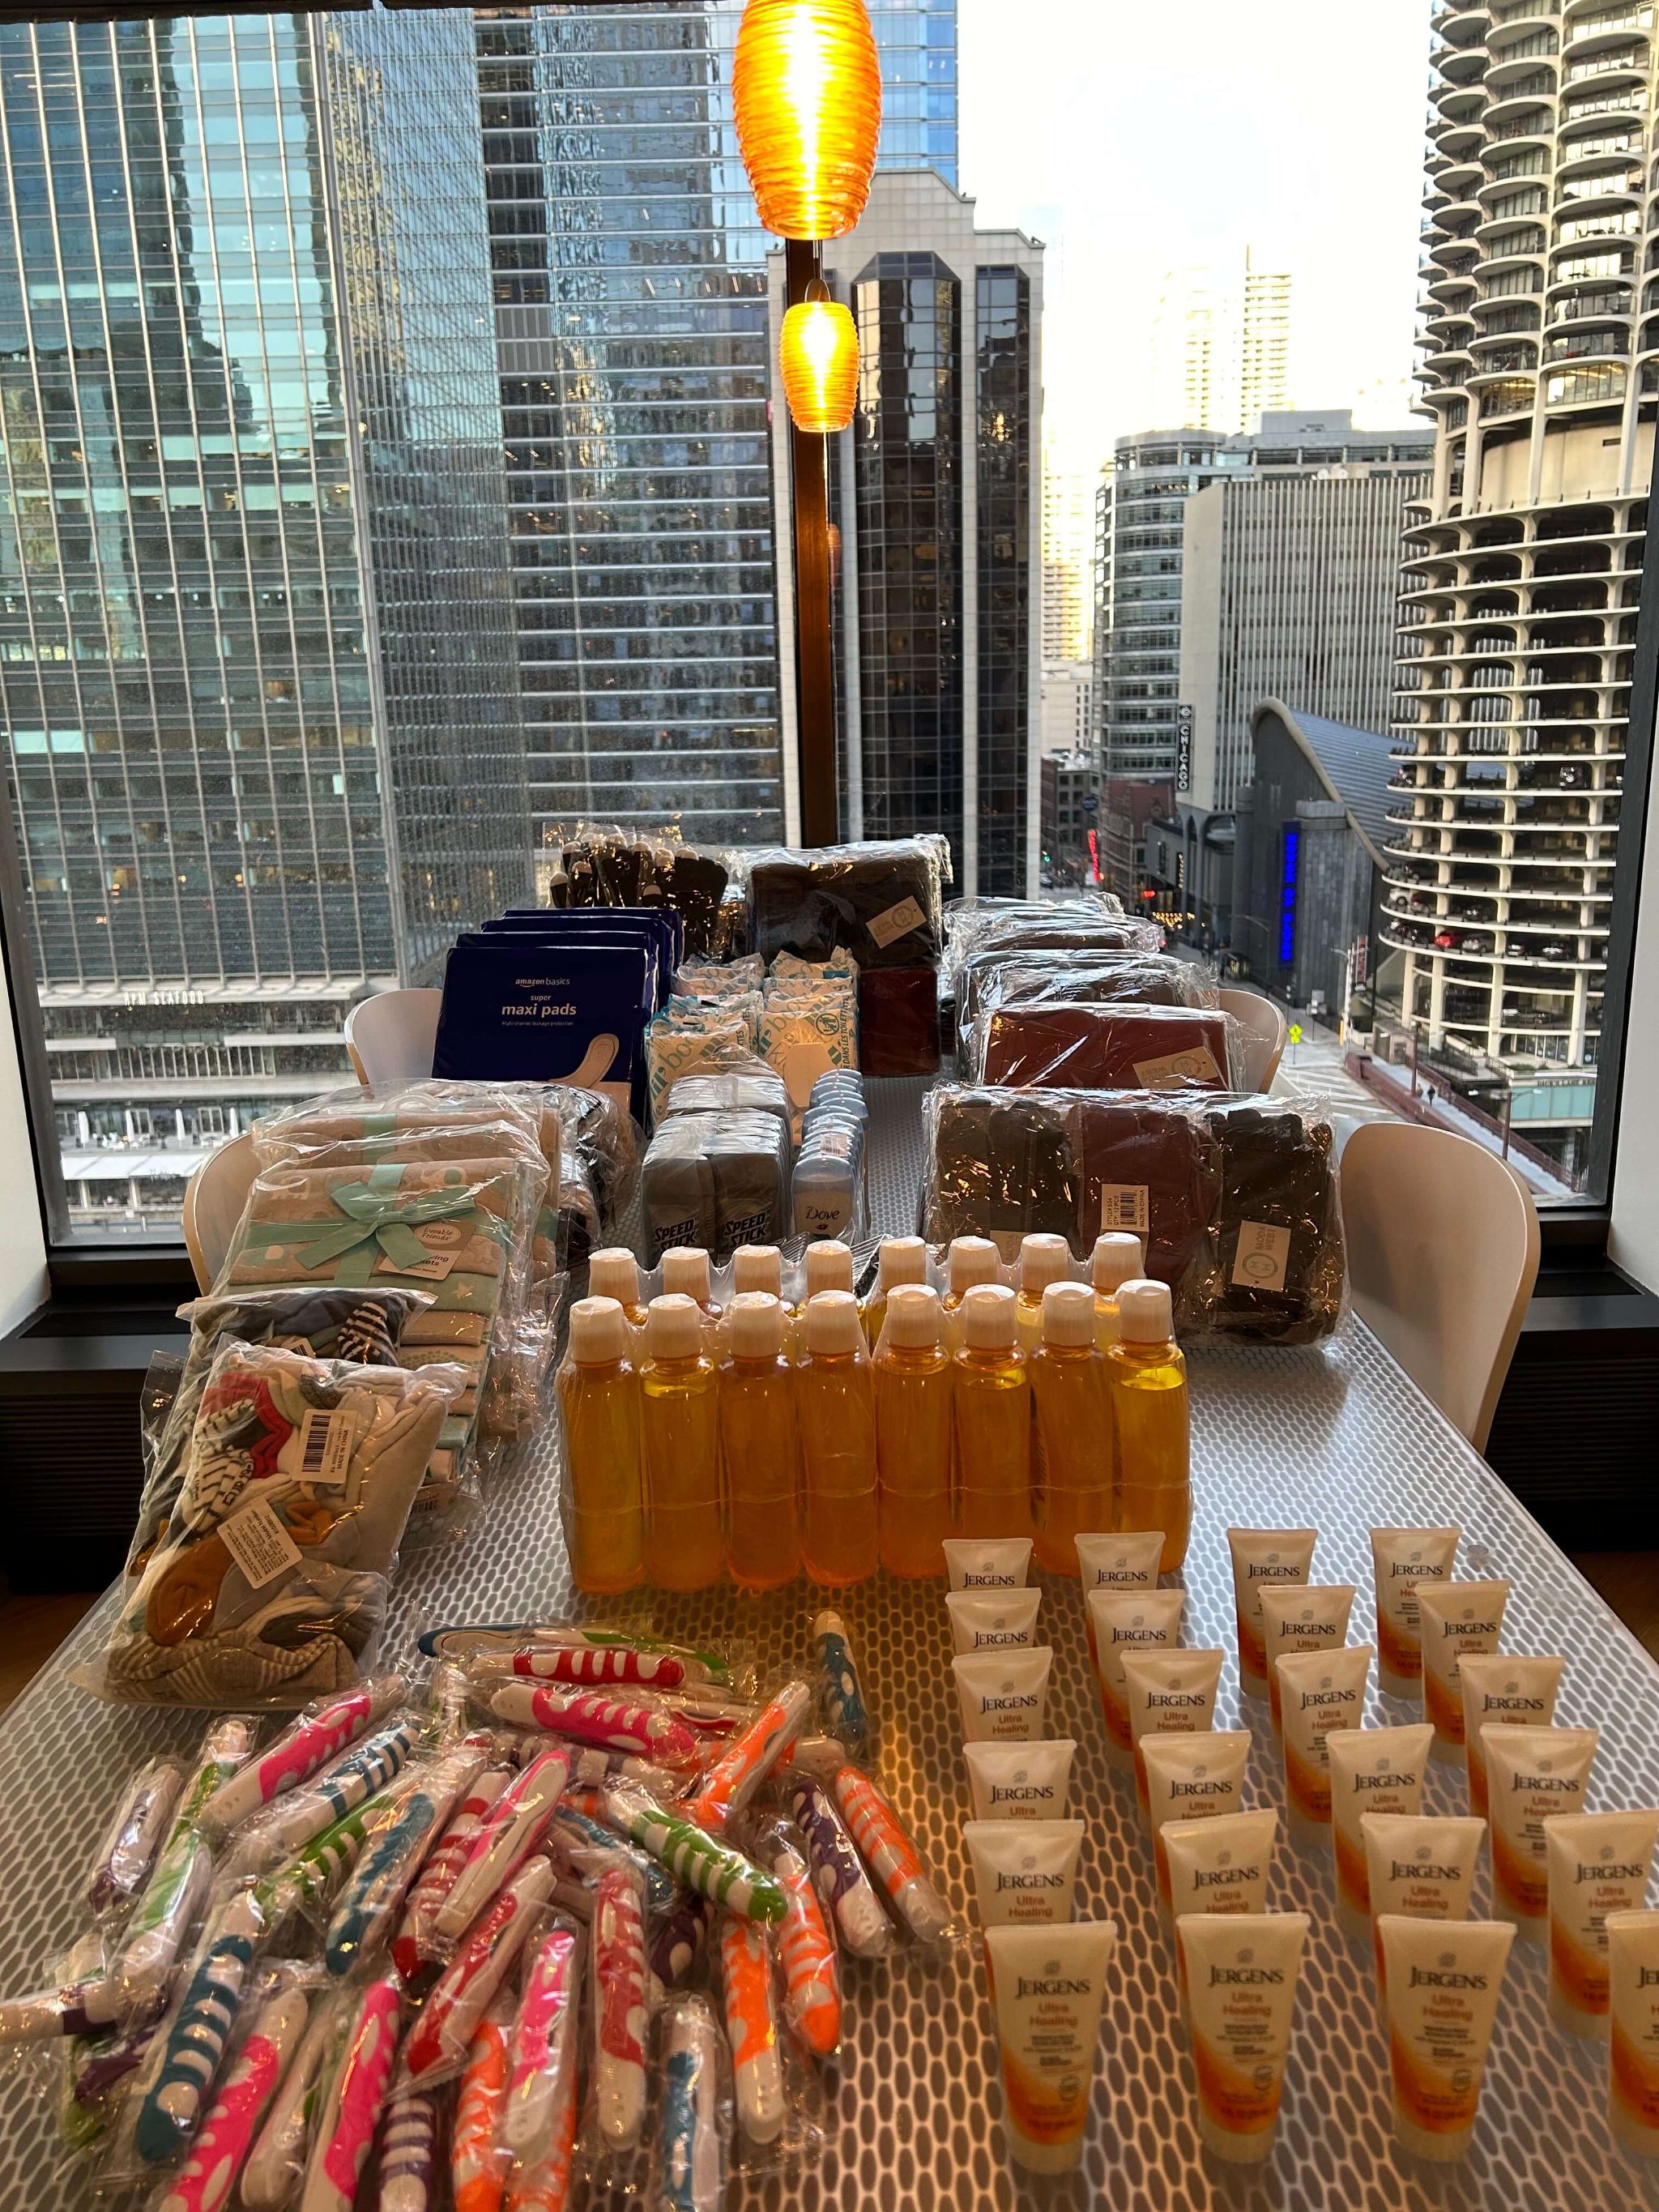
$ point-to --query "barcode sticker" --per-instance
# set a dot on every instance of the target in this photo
(326, 1446)
(1263, 1254)
(1176, 1068)
(442, 1239)
(1124, 1205)
(259, 1543)
(898, 921)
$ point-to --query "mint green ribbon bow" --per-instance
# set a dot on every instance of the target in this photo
(376, 1211)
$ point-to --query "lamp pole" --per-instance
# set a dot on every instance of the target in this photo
(815, 675)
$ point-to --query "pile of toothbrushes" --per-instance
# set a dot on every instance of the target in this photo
(575, 1916)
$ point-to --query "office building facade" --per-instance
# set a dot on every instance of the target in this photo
(631, 324)
(1143, 717)
(1068, 599)
(1523, 565)
(256, 641)
(935, 490)
(1219, 347)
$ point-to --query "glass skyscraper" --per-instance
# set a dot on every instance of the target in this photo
(256, 641)
(631, 316)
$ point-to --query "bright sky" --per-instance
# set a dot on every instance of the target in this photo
(1134, 137)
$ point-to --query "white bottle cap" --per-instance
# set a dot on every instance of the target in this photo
(757, 1268)
(973, 1260)
(757, 1325)
(903, 1260)
(673, 1327)
(685, 1272)
(598, 1331)
(987, 1317)
(1068, 1314)
(912, 1315)
(1044, 1259)
(1143, 1311)
(613, 1273)
(832, 1322)
(828, 1265)
(1118, 1258)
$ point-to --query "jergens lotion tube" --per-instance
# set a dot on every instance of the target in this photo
(1372, 1771)
(1024, 1871)
(1220, 1865)
(1444, 1980)
(1420, 1867)
(1318, 1691)
(1048, 1985)
(1001, 1694)
(1125, 1561)
(1128, 1620)
(1169, 1693)
(1634, 2061)
(1402, 1558)
(1599, 1864)
(1263, 1557)
(1500, 1690)
(1533, 1774)
(1191, 1778)
(1455, 1618)
(1241, 1971)
(1310, 1617)
(1019, 1781)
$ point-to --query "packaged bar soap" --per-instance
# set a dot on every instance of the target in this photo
(835, 1404)
(760, 1446)
(679, 1429)
(1262, 1557)
(1401, 1560)
(1454, 1617)
(913, 1386)
(1443, 1983)
(1534, 1775)
(1377, 1770)
(1599, 1866)
(1128, 1620)
(599, 1408)
(1072, 1404)
(1241, 1973)
(1502, 1691)
(991, 1408)
(1149, 1415)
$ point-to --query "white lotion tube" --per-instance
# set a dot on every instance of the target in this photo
(1241, 1972)
(1128, 1620)
(1500, 1690)
(1127, 1560)
(1372, 1771)
(1019, 1781)
(1319, 1692)
(1420, 1867)
(1261, 1558)
(1313, 1617)
(1169, 1693)
(1634, 2061)
(991, 1563)
(1048, 1985)
(992, 1620)
(1599, 1864)
(1455, 1618)
(1191, 1778)
(1534, 1775)
(1220, 1865)
(1444, 1980)
(1402, 1558)
(1001, 1694)
(1024, 1871)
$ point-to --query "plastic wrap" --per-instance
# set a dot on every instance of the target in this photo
(602, 864)
(882, 901)
(898, 1021)
(1015, 940)
(688, 1035)
(1236, 1197)
(754, 1088)
(1106, 1046)
(1089, 977)
(270, 1587)
(715, 1180)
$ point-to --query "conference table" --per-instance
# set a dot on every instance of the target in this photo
(1334, 1437)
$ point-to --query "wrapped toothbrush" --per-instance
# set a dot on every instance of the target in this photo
(178, 1887)
(465, 1642)
(622, 2011)
(477, 2168)
(579, 1844)
(886, 1849)
(721, 1874)
(677, 1941)
(326, 1728)
(178, 2080)
(750, 1757)
(134, 1836)
(225, 2141)
(277, 2160)
(437, 2046)
(752, 2030)
(541, 2081)
(293, 1819)
(372, 1897)
(693, 2133)
(643, 1729)
(409, 2153)
(841, 1707)
(508, 1833)
(350, 2105)
(843, 1887)
(584, 1666)
(806, 1943)
(415, 1949)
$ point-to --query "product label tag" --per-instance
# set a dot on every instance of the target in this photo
(442, 1239)
(1176, 1068)
(1124, 1205)
(1263, 1254)
(898, 921)
(326, 1446)
(259, 1543)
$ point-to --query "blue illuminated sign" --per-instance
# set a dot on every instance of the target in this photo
(1291, 854)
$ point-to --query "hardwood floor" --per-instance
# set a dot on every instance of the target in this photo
(32, 1628)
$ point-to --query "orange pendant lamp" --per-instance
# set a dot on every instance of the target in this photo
(807, 86)
(819, 357)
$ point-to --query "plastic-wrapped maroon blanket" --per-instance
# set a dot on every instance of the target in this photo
(1107, 1046)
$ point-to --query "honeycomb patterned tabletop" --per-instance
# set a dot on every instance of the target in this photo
(1334, 1438)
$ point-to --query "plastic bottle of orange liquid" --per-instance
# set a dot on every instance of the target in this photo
(1072, 1402)
(600, 1406)
(614, 1273)
(680, 1439)
(757, 1268)
(1150, 1413)
(760, 1446)
(901, 1260)
(1044, 1259)
(835, 1406)
(1118, 1259)
(685, 1274)
(992, 1411)
(971, 1260)
(913, 1433)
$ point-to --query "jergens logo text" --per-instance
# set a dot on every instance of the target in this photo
(1232, 1977)
(1438, 1977)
